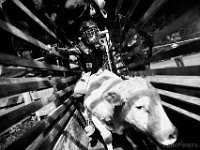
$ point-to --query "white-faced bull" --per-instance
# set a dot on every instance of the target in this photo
(116, 104)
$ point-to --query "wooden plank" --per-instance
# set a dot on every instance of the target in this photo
(178, 71)
(17, 61)
(155, 6)
(186, 18)
(67, 81)
(116, 26)
(171, 45)
(33, 17)
(15, 31)
(11, 109)
(35, 134)
(46, 142)
(119, 4)
(12, 86)
(44, 111)
(59, 31)
(182, 61)
(181, 111)
(27, 98)
(62, 138)
(6, 131)
(186, 81)
(41, 93)
(130, 12)
(13, 71)
(75, 141)
(39, 22)
(8, 106)
(174, 52)
(14, 99)
(15, 116)
(181, 97)
(37, 142)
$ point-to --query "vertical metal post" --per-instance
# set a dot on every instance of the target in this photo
(107, 51)
(58, 63)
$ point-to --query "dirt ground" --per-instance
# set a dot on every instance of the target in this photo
(16, 132)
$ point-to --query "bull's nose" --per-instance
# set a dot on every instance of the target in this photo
(172, 137)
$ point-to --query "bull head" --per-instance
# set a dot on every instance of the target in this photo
(142, 109)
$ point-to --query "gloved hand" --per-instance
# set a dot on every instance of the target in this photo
(81, 85)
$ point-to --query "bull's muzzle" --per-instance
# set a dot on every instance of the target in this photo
(168, 137)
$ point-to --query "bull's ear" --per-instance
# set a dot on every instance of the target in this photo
(113, 98)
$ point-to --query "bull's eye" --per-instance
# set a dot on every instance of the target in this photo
(139, 107)
(83, 80)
